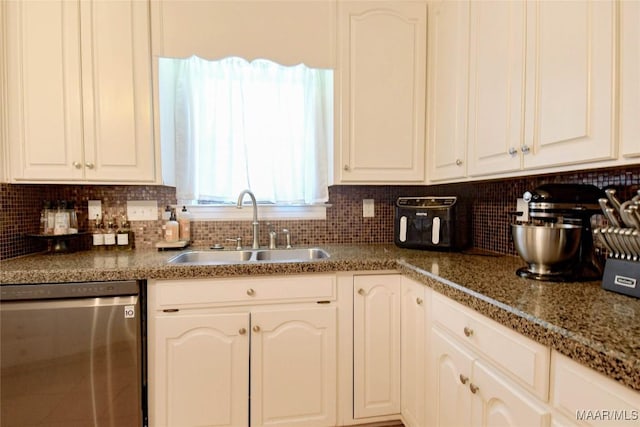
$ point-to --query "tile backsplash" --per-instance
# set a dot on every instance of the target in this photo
(492, 202)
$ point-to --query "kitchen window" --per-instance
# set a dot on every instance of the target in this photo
(237, 124)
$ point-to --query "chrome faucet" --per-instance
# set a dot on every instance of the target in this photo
(255, 224)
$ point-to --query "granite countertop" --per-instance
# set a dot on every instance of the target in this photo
(597, 328)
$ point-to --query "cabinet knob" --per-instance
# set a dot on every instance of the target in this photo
(464, 379)
(77, 165)
(474, 388)
(458, 162)
(251, 292)
(525, 149)
(346, 168)
(256, 328)
(89, 165)
(513, 151)
(242, 331)
(419, 301)
(360, 291)
(468, 331)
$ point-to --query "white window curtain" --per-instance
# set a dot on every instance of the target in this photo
(256, 125)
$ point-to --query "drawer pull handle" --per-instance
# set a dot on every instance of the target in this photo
(171, 310)
(468, 331)
(464, 379)
(474, 388)
(361, 291)
(251, 292)
(419, 301)
(256, 328)
(242, 331)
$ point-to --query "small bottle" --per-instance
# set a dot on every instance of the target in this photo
(184, 221)
(51, 218)
(110, 235)
(61, 219)
(73, 218)
(43, 218)
(171, 231)
(122, 235)
(98, 234)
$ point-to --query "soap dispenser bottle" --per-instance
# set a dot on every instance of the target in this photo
(171, 231)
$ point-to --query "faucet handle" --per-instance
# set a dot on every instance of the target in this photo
(273, 237)
(238, 241)
(287, 235)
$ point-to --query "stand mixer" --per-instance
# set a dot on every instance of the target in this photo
(557, 242)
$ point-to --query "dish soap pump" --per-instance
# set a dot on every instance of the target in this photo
(171, 231)
(184, 220)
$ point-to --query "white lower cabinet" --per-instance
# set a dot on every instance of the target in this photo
(376, 345)
(466, 391)
(272, 362)
(293, 367)
(480, 373)
(588, 398)
(200, 372)
(449, 397)
(413, 341)
(303, 351)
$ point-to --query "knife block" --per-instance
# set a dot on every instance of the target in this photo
(622, 276)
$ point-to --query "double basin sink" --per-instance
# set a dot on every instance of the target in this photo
(249, 255)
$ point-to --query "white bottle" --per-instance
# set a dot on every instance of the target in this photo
(98, 234)
(184, 221)
(171, 230)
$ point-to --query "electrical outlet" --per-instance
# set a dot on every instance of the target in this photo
(368, 208)
(142, 210)
(95, 210)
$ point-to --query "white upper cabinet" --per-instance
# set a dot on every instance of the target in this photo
(448, 88)
(542, 78)
(630, 79)
(79, 91)
(381, 92)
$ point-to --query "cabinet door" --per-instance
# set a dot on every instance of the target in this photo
(448, 87)
(496, 84)
(449, 397)
(629, 81)
(498, 402)
(293, 367)
(80, 91)
(44, 90)
(376, 345)
(116, 66)
(569, 106)
(413, 341)
(382, 48)
(200, 370)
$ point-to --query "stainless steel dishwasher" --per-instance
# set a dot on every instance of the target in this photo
(72, 355)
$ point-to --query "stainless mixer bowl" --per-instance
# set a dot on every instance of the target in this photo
(547, 248)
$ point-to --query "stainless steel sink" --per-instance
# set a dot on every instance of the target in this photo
(211, 257)
(299, 255)
(266, 255)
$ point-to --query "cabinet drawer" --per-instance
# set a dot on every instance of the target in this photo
(584, 394)
(243, 291)
(523, 359)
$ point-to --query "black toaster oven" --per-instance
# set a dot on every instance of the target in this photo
(440, 223)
